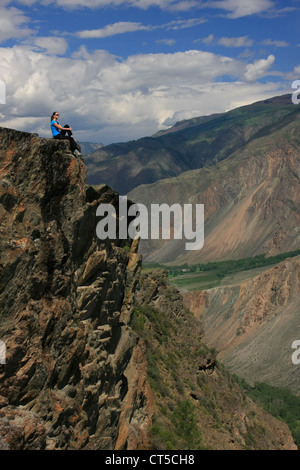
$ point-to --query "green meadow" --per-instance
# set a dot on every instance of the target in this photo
(213, 274)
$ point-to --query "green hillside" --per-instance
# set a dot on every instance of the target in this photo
(188, 145)
(208, 275)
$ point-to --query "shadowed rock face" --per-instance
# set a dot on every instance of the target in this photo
(75, 372)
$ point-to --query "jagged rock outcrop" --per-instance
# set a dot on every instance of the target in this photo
(75, 373)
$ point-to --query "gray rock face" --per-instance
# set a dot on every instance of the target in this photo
(75, 372)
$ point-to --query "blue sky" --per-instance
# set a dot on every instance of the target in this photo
(118, 70)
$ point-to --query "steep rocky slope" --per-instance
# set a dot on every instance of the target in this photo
(88, 339)
(75, 373)
(198, 405)
(253, 323)
(251, 200)
(190, 144)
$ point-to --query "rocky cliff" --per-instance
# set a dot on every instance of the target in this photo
(75, 372)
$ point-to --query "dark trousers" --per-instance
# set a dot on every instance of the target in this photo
(63, 136)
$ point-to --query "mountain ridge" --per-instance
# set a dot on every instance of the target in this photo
(124, 166)
(251, 200)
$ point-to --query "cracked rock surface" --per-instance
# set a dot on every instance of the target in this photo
(75, 372)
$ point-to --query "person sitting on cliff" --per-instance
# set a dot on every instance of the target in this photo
(59, 132)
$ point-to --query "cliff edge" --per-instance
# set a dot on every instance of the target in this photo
(75, 372)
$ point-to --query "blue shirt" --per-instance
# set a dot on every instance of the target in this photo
(54, 129)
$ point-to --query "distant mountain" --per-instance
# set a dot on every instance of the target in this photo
(181, 125)
(251, 197)
(189, 145)
(89, 147)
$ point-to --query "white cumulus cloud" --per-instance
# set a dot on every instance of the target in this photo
(271, 42)
(50, 44)
(242, 41)
(177, 5)
(120, 27)
(12, 24)
(106, 99)
(258, 68)
(240, 8)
